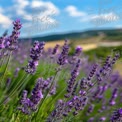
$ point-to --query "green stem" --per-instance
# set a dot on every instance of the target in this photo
(2, 59)
(15, 89)
(9, 58)
(16, 116)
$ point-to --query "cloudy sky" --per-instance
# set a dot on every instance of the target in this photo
(42, 17)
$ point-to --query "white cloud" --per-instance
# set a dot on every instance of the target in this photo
(49, 7)
(72, 10)
(49, 10)
(5, 21)
(93, 18)
(25, 9)
(21, 3)
(19, 6)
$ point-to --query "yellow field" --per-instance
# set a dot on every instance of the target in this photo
(84, 46)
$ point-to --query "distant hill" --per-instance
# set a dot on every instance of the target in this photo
(114, 34)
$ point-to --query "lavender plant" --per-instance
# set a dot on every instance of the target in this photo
(53, 86)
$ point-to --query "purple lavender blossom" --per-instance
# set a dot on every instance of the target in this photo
(72, 80)
(75, 88)
(91, 119)
(55, 50)
(97, 92)
(16, 72)
(114, 96)
(116, 57)
(78, 51)
(25, 103)
(53, 90)
(106, 69)
(90, 108)
(102, 119)
(11, 41)
(36, 50)
(44, 84)
(36, 95)
(117, 116)
(30, 104)
(87, 82)
(82, 93)
(92, 72)
(63, 56)
(57, 113)
(24, 97)
(35, 54)
(2, 40)
(83, 83)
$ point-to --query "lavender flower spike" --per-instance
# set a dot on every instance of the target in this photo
(55, 49)
(35, 54)
(24, 102)
(36, 95)
(72, 80)
(11, 42)
(78, 51)
(117, 116)
(63, 56)
(114, 96)
(2, 41)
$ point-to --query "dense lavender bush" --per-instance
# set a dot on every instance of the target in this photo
(41, 85)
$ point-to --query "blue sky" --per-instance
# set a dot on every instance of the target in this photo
(43, 17)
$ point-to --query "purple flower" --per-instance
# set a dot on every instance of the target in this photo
(30, 104)
(64, 54)
(35, 54)
(36, 94)
(24, 97)
(78, 51)
(102, 119)
(113, 97)
(92, 72)
(11, 41)
(36, 50)
(25, 103)
(55, 49)
(83, 83)
(97, 92)
(116, 57)
(90, 109)
(117, 116)
(16, 72)
(58, 111)
(72, 80)
(53, 91)
(2, 41)
(91, 119)
(82, 93)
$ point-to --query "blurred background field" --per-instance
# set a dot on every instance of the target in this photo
(96, 44)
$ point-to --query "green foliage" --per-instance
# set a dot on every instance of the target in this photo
(102, 52)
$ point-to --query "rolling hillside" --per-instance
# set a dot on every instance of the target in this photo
(115, 34)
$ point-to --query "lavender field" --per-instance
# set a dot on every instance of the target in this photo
(57, 84)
